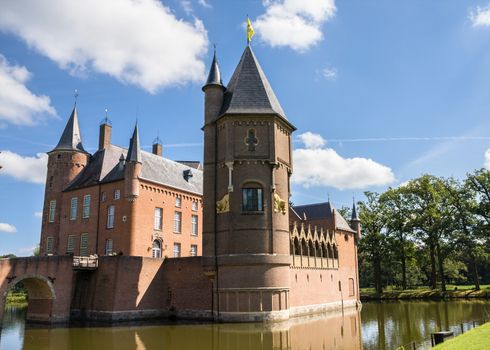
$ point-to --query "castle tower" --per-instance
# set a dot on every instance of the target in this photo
(247, 166)
(65, 162)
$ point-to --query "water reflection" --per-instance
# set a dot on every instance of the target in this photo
(330, 331)
(392, 324)
(382, 326)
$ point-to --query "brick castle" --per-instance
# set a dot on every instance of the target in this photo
(129, 234)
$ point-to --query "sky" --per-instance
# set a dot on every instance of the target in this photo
(380, 91)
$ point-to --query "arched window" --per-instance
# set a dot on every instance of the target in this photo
(324, 251)
(156, 249)
(329, 250)
(304, 248)
(311, 248)
(318, 251)
(297, 247)
(335, 252)
(252, 198)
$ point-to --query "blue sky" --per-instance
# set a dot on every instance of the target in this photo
(380, 91)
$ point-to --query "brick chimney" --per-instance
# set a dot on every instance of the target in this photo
(105, 131)
(157, 147)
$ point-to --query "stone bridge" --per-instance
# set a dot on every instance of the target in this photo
(48, 281)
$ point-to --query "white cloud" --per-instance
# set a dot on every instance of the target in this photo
(30, 169)
(329, 73)
(137, 42)
(487, 159)
(38, 214)
(18, 105)
(187, 6)
(27, 250)
(480, 16)
(204, 3)
(311, 140)
(320, 166)
(7, 228)
(293, 23)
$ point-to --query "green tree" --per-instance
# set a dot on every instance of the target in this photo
(373, 243)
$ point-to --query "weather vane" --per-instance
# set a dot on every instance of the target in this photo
(76, 96)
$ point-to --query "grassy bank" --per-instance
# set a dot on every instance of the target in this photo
(426, 293)
(16, 299)
(476, 339)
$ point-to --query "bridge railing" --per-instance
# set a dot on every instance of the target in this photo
(85, 262)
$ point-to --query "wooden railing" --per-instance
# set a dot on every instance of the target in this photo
(85, 262)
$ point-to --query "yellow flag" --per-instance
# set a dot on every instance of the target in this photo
(250, 31)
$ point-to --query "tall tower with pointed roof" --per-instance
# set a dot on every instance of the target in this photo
(65, 162)
(247, 166)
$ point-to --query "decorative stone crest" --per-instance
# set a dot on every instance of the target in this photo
(223, 205)
(251, 140)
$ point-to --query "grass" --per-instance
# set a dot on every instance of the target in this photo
(476, 339)
(452, 291)
(16, 299)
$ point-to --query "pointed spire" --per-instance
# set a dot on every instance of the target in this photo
(71, 139)
(134, 151)
(249, 91)
(214, 76)
(354, 216)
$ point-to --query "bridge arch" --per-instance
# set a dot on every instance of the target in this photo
(41, 296)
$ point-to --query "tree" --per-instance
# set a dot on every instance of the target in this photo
(373, 242)
(397, 212)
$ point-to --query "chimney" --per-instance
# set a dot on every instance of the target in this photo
(157, 147)
(105, 134)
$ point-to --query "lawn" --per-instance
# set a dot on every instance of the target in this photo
(476, 339)
(453, 291)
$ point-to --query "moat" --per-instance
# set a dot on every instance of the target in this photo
(379, 326)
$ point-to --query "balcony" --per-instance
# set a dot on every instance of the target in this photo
(85, 262)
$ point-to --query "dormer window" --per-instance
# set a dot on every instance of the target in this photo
(187, 174)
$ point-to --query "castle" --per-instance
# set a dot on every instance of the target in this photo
(128, 234)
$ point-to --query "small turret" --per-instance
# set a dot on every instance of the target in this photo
(213, 92)
(132, 169)
(355, 223)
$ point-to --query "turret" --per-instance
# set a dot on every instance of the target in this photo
(213, 92)
(355, 223)
(132, 169)
(65, 162)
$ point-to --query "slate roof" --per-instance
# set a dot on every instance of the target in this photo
(71, 139)
(134, 151)
(249, 91)
(214, 76)
(191, 163)
(105, 166)
(322, 211)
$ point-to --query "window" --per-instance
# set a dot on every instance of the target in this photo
(194, 225)
(157, 221)
(86, 206)
(110, 216)
(70, 244)
(103, 197)
(49, 245)
(193, 250)
(84, 244)
(178, 222)
(351, 287)
(194, 206)
(176, 250)
(52, 210)
(178, 202)
(156, 249)
(252, 199)
(73, 208)
(108, 247)
(117, 194)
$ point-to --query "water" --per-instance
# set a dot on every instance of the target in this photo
(380, 326)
